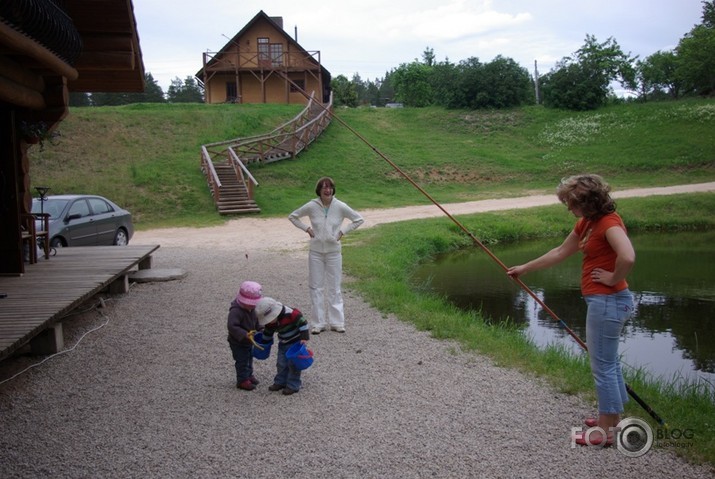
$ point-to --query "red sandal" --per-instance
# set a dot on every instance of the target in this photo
(580, 439)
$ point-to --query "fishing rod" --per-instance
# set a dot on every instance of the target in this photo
(476, 241)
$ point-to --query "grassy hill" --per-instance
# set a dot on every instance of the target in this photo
(146, 156)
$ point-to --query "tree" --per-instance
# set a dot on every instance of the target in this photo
(360, 89)
(386, 89)
(372, 93)
(505, 84)
(696, 54)
(444, 79)
(412, 84)
(428, 57)
(569, 86)
(709, 14)
(152, 91)
(467, 85)
(657, 75)
(184, 92)
(344, 93)
(582, 82)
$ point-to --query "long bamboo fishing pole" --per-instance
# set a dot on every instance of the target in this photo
(476, 241)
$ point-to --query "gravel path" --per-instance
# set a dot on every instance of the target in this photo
(152, 393)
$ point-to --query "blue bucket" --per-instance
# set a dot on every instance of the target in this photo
(300, 356)
(264, 343)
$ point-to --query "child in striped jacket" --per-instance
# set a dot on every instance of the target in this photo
(291, 327)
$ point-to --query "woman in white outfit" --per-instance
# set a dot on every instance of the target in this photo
(325, 261)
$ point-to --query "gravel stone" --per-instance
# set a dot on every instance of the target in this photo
(152, 392)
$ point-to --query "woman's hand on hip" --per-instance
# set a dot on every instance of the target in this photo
(600, 275)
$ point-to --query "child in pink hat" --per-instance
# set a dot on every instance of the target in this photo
(242, 321)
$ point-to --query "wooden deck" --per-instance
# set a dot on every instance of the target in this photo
(49, 289)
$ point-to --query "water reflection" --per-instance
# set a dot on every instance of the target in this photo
(671, 334)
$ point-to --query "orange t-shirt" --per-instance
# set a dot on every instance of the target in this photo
(597, 252)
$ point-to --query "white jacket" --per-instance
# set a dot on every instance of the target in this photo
(326, 224)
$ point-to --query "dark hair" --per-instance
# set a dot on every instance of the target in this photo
(588, 193)
(322, 182)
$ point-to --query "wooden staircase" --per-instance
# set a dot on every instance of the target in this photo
(233, 195)
(225, 163)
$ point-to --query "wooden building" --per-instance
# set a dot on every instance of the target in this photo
(263, 64)
(49, 48)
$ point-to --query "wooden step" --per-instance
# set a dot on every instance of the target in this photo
(239, 211)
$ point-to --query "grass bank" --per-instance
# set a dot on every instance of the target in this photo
(381, 261)
(146, 156)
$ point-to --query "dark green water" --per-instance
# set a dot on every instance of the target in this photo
(672, 334)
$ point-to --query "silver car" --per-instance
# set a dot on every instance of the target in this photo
(84, 220)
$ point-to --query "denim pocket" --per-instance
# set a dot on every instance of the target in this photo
(624, 304)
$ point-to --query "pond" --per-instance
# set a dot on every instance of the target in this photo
(671, 335)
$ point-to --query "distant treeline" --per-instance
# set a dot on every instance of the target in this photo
(187, 91)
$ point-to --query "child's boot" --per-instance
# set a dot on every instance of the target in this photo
(246, 384)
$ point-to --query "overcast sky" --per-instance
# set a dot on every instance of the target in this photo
(370, 37)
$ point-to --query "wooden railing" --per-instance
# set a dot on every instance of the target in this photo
(244, 176)
(230, 61)
(285, 141)
(207, 166)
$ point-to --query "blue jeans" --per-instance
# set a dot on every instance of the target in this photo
(243, 357)
(605, 318)
(287, 375)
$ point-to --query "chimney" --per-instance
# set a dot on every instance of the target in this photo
(278, 20)
(296, 33)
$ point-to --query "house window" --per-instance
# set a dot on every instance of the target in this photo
(276, 54)
(297, 86)
(231, 92)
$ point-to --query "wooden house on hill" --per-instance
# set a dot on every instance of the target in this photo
(47, 50)
(263, 64)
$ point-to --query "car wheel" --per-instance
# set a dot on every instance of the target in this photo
(120, 238)
(57, 243)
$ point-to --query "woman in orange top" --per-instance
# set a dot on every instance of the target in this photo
(608, 256)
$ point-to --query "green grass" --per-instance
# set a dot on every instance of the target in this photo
(146, 158)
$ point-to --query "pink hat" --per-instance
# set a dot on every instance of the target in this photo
(249, 293)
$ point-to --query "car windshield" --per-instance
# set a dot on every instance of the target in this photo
(52, 206)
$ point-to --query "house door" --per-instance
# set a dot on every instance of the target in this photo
(231, 92)
(264, 53)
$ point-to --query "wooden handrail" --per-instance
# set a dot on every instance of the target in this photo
(212, 176)
(245, 171)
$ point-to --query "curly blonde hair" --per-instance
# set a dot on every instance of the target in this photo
(589, 193)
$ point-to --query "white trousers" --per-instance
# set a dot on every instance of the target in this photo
(325, 272)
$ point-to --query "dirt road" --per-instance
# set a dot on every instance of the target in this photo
(241, 233)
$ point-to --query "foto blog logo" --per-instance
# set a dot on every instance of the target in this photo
(633, 437)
